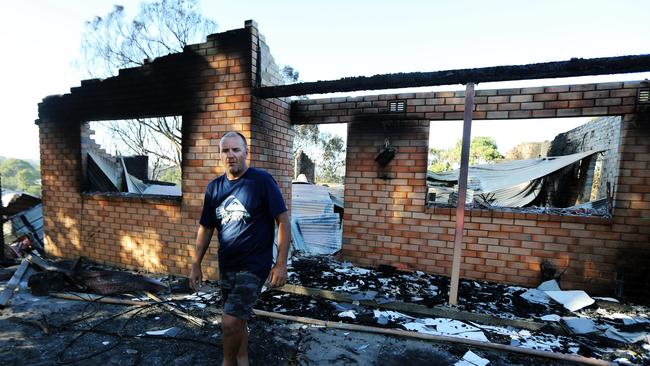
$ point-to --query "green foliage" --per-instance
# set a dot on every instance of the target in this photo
(19, 175)
(325, 149)
(483, 149)
(172, 174)
(330, 169)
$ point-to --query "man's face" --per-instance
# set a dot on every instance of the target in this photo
(233, 156)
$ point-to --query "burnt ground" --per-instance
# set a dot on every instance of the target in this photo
(80, 333)
(47, 331)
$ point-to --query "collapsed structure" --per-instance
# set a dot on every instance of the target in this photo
(227, 83)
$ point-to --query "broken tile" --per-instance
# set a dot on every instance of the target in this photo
(572, 300)
(580, 325)
(472, 359)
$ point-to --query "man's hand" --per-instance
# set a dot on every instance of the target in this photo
(278, 276)
(196, 276)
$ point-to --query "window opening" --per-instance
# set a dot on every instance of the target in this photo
(139, 156)
(558, 166)
(317, 191)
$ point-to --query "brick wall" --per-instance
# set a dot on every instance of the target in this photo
(272, 133)
(386, 221)
(602, 133)
(210, 86)
(586, 100)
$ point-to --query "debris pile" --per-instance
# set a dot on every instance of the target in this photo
(569, 322)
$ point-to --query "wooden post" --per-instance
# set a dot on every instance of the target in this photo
(462, 193)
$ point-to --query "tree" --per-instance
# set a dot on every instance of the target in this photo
(329, 169)
(19, 175)
(327, 150)
(112, 42)
(483, 149)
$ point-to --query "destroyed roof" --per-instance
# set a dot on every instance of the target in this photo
(106, 175)
(16, 202)
(513, 183)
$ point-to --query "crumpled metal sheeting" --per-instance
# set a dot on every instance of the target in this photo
(114, 282)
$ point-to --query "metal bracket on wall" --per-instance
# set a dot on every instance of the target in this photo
(386, 154)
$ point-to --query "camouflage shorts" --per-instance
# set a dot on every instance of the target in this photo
(239, 291)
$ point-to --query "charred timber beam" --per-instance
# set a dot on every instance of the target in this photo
(555, 69)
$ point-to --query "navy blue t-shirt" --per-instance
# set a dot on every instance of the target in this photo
(243, 211)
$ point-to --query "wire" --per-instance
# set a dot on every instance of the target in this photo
(119, 334)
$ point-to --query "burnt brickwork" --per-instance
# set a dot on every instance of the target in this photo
(210, 86)
(386, 221)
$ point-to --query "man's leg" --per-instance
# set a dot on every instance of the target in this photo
(240, 295)
(235, 341)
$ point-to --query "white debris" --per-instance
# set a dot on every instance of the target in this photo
(169, 332)
(551, 318)
(580, 325)
(472, 359)
(455, 328)
(346, 288)
(623, 361)
(572, 300)
(392, 315)
(550, 285)
(353, 270)
(348, 314)
(498, 330)
(635, 320)
(420, 328)
(610, 299)
(626, 337)
(536, 296)
(543, 343)
(363, 347)
(106, 343)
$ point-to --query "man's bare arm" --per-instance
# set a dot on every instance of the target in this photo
(203, 237)
(278, 275)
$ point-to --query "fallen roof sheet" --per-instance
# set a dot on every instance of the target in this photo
(498, 176)
(315, 228)
(514, 183)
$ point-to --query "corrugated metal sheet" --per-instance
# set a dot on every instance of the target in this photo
(514, 183)
(310, 199)
(15, 228)
(315, 228)
(103, 174)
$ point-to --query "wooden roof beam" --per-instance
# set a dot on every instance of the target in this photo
(556, 69)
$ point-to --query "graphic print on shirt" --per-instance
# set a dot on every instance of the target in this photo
(231, 209)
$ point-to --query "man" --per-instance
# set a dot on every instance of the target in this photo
(244, 204)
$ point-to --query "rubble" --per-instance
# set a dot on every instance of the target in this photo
(612, 333)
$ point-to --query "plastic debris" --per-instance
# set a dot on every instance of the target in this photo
(472, 359)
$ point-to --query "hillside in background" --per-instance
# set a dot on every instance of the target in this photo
(20, 175)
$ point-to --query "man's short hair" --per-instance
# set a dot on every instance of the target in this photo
(234, 134)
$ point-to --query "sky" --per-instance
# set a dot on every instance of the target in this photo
(332, 39)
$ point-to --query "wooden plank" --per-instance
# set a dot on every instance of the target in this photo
(439, 312)
(462, 193)
(8, 292)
